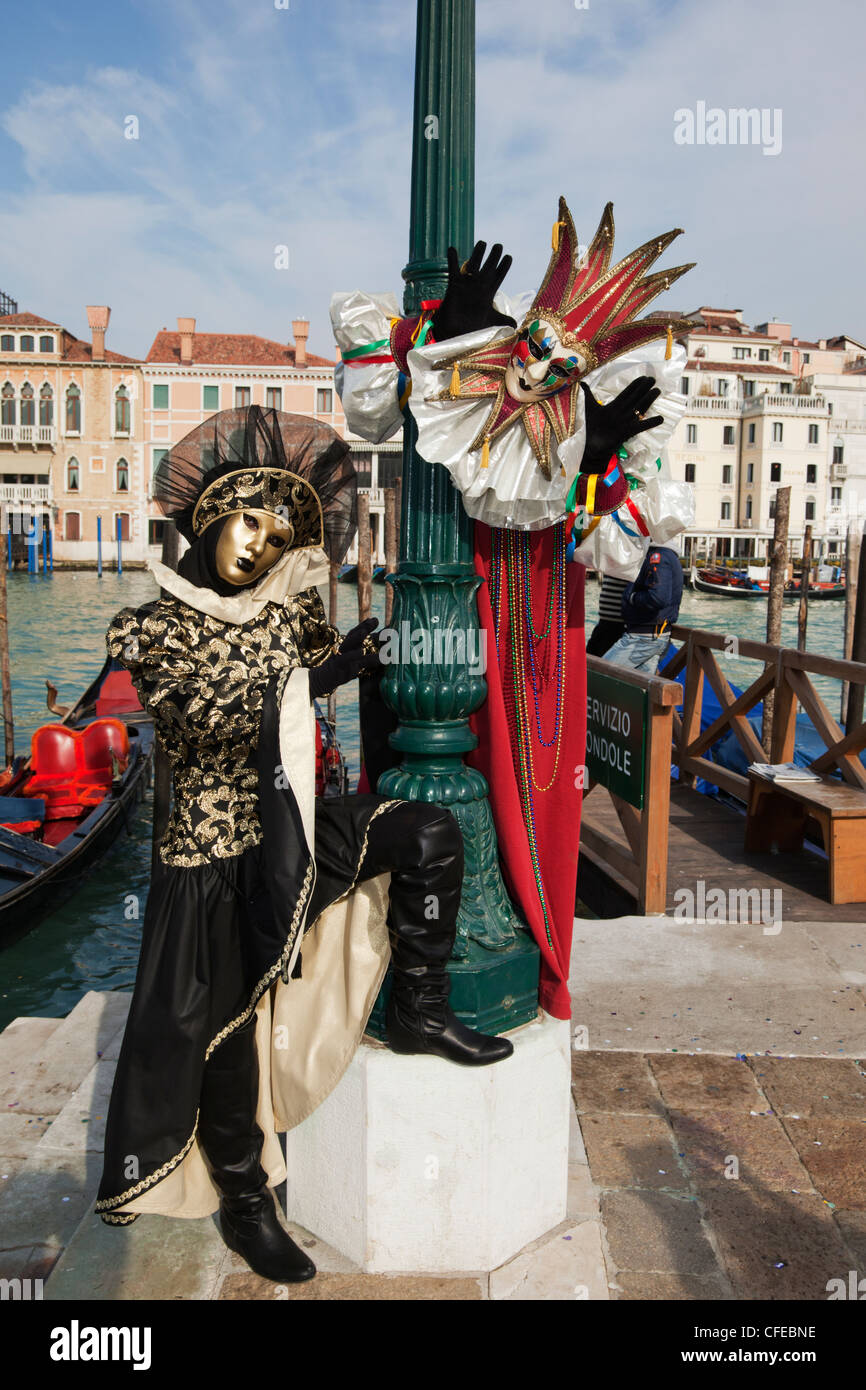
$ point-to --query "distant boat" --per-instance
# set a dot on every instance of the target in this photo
(724, 583)
(349, 574)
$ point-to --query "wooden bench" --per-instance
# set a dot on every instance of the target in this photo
(776, 819)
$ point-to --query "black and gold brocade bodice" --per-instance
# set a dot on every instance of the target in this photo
(204, 680)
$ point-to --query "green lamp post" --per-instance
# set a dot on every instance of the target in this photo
(439, 680)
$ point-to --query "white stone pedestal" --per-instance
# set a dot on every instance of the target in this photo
(415, 1164)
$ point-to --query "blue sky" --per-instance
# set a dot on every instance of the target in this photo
(261, 126)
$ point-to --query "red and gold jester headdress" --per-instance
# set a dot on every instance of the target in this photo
(583, 315)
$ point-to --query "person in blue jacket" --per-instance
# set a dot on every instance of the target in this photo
(650, 607)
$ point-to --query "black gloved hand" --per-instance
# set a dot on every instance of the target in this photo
(468, 302)
(609, 426)
(346, 662)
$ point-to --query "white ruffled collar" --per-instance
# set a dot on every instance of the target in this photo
(294, 572)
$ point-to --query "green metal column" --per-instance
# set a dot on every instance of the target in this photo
(439, 681)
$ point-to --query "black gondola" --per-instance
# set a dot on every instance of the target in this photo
(89, 786)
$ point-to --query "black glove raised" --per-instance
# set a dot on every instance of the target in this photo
(468, 302)
(350, 658)
(609, 426)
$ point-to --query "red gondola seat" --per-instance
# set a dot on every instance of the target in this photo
(72, 769)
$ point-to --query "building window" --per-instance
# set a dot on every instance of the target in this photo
(772, 508)
(838, 450)
(836, 496)
(691, 434)
(748, 508)
(722, 386)
(28, 405)
(807, 358)
(728, 434)
(741, 353)
(726, 511)
(684, 386)
(748, 388)
(210, 398)
(121, 411)
(155, 531)
(242, 397)
(160, 398)
(27, 343)
(811, 472)
(751, 434)
(763, 354)
(810, 509)
(690, 472)
(274, 397)
(777, 432)
(775, 472)
(73, 476)
(157, 457)
(7, 343)
(73, 410)
(72, 526)
(750, 472)
(46, 406)
(7, 404)
(786, 358)
(727, 475)
(124, 519)
(813, 434)
(46, 343)
(785, 388)
(324, 401)
(122, 476)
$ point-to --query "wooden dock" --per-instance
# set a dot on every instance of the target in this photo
(705, 844)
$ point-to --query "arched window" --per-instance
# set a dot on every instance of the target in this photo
(7, 342)
(46, 405)
(122, 476)
(28, 405)
(46, 343)
(73, 476)
(7, 404)
(73, 410)
(121, 410)
(28, 343)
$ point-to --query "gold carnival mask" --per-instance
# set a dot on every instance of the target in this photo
(249, 544)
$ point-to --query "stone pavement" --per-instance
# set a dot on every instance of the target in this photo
(718, 1146)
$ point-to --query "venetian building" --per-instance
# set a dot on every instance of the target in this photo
(68, 434)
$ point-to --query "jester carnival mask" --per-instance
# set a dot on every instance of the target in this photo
(583, 316)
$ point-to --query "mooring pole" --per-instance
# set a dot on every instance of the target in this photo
(803, 611)
(778, 568)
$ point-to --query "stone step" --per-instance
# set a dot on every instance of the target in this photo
(48, 1076)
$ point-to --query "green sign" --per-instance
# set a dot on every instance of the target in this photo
(616, 717)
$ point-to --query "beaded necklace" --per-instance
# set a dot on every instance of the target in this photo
(511, 561)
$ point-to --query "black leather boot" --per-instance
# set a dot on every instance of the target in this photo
(424, 851)
(232, 1143)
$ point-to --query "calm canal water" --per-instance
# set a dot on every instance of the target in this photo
(57, 627)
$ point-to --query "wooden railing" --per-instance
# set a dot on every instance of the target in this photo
(641, 863)
(786, 673)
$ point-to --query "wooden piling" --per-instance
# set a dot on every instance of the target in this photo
(854, 711)
(853, 541)
(803, 612)
(365, 558)
(333, 580)
(778, 569)
(161, 767)
(5, 675)
(391, 524)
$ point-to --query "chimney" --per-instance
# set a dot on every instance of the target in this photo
(97, 319)
(301, 330)
(186, 329)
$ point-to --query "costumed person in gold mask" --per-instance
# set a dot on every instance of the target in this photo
(271, 915)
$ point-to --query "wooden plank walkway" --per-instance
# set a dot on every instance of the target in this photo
(706, 844)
